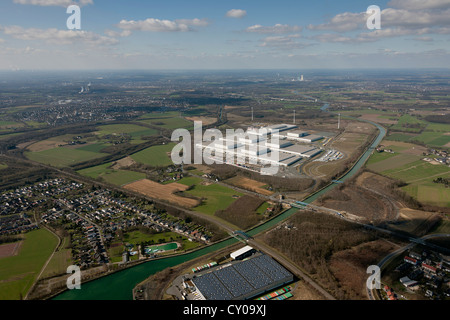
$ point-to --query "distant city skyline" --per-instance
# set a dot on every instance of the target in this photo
(200, 34)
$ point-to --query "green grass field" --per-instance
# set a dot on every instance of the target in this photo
(116, 177)
(406, 120)
(420, 175)
(169, 123)
(136, 132)
(377, 157)
(62, 157)
(216, 197)
(262, 209)
(96, 147)
(18, 273)
(157, 156)
(60, 261)
(3, 166)
(416, 171)
(430, 193)
(391, 162)
(400, 137)
(136, 237)
(157, 115)
(190, 181)
(6, 125)
(434, 139)
(433, 135)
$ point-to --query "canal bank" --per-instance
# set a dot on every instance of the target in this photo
(119, 285)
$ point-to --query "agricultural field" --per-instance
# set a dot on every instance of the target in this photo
(419, 176)
(215, 197)
(157, 156)
(7, 125)
(406, 165)
(414, 129)
(60, 151)
(190, 181)
(110, 175)
(249, 184)
(167, 121)
(391, 161)
(433, 139)
(379, 157)
(62, 157)
(408, 123)
(19, 272)
(163, 192)
(134, 131)
(243, 212)
(3, 166)
(400, 137)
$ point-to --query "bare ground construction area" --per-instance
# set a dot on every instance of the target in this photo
(369, 196)
(164, 192)
(377, 199)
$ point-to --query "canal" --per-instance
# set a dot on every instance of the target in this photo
(119, 285)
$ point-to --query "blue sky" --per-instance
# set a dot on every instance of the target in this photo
(200, 34)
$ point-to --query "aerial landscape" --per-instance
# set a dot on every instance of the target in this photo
(281, 164)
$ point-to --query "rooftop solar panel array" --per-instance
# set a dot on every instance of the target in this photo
(271, 267)
(212, 288)
(241, 279)
(233, 281)
(254, 275)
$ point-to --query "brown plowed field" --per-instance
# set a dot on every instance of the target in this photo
(249, 184)
(164, 192)
(10, 249)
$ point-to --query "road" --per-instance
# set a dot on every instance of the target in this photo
(289, 265)
(257, 244)
(392, 255)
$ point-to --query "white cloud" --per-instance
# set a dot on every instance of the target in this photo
(419, 4)
(283, 42)
(343, 22)
(156, 25)
(236, 13)
(276, 29)
(61, 3)
(56, 36)
(337, 38)
(395, 22)
(115, 34)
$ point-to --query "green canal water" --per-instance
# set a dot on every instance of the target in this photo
(119, 285)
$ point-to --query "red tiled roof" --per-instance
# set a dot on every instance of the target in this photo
(428, 267)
